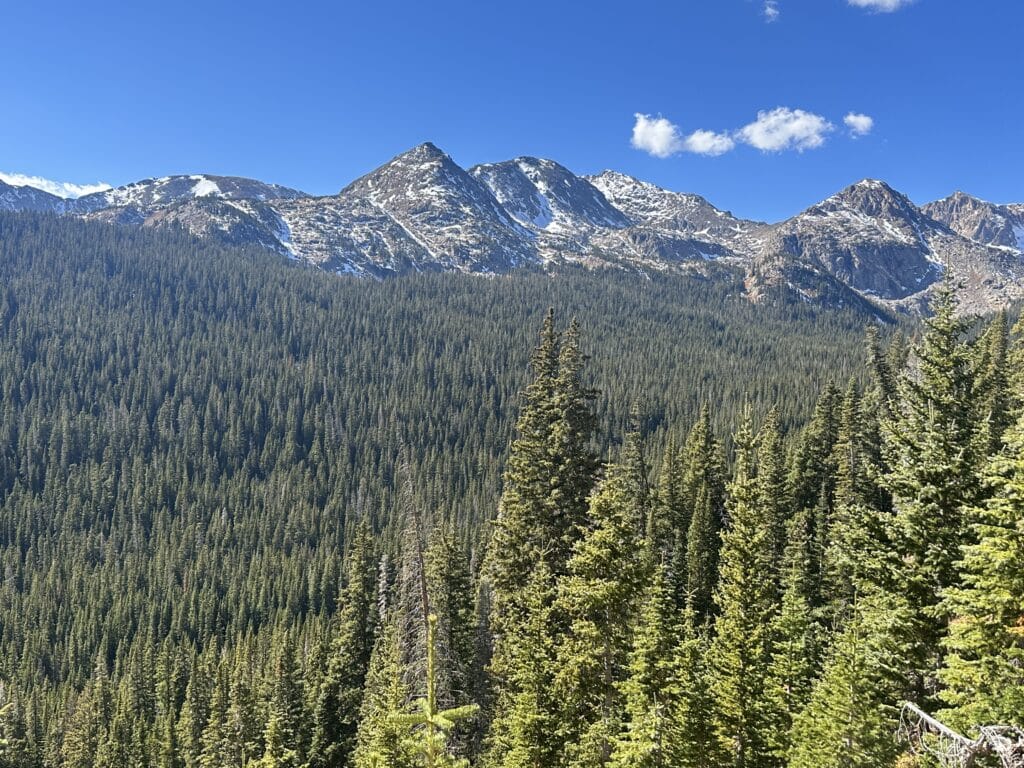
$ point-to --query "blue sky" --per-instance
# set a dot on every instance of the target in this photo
(313, 94)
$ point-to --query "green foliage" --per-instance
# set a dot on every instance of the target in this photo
(852, 716)
(745, 600)
(597, 600)
(984, 669)
(225, 482)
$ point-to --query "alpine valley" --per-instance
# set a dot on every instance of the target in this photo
(867, 247)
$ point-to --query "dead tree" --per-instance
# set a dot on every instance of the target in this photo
(925, 735)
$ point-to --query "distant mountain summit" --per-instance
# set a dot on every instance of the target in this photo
(981, 221)
(867, 245)
(23, 198)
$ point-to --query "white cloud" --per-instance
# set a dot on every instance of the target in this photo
(880, 6)
(63, 189)
(708, 143)
(770, 11)
(784, 128)
(774, 130)
(859, 125)
(656, 136)
(660, 137)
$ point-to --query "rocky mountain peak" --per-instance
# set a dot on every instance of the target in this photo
(979, 220)
(541, 194)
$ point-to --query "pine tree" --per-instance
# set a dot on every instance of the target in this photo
(984, 669)
(931, 448)
(696, 567)
(794, 639)
(336, 714)
(431, 725)
(598, 598)
(648, 736)
(853, 713)
(745, 599)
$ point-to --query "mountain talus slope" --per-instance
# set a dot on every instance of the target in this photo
(867, 245)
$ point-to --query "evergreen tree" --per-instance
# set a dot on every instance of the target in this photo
(852, 715)
(285, 733)
(89, 721)
(705, 493)
(931, 448)
(525, 736)
(771, 476)
(550, 472)
(379, 739)
(695, 743)
(984, 669)
(597, 599)
(745, 600)
(794, 639)
(336, 714)
(431, 725)
(991, 395)
(648, 737)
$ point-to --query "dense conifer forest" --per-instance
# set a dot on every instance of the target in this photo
(256, 515)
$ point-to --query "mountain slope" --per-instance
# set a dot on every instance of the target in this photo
(421, 212)
(23, 198)
(875, 241)
(446, 211)
(149, 194)
(980, 220)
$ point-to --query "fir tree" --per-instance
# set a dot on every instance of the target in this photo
(379, 739)
(597, 598)
(696, 567)
(336, 714)
(984, 669)
(525, 736)
(745, 600)
(794, 639)
(931, 448)
(432, 725)
(648, 736)
(852, 715)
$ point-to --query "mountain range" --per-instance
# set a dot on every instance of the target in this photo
(868, 245)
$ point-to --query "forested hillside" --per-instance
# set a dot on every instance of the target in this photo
(686, 531)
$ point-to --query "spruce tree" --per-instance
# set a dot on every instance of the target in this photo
(931, 449)
(525, 736)
(379, 739)
(336, 714)
(794, 639)
(853, 712)
(696, 566)
(984, 668)
(549, 475)
(597, 599)
(648, 736)
(745, 600)
(432, 726)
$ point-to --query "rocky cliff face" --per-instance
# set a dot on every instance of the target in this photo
(867, 245)
(979, 220)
